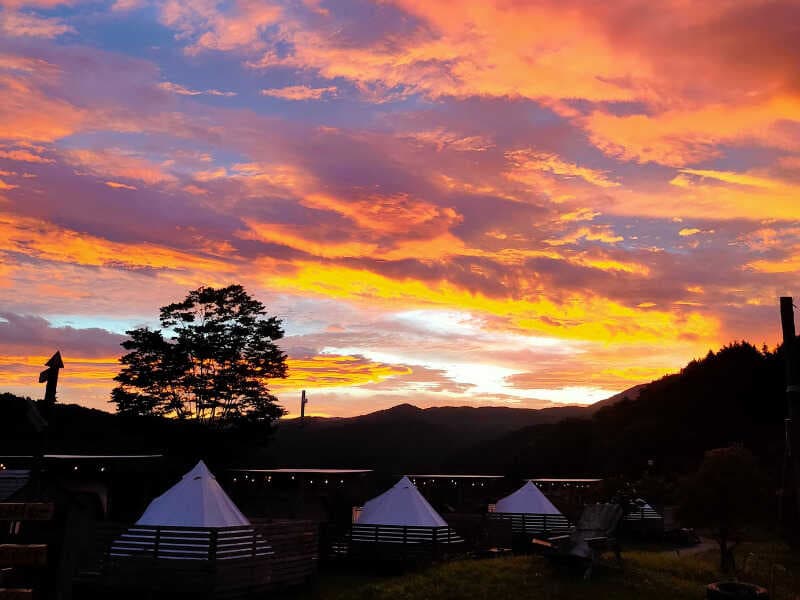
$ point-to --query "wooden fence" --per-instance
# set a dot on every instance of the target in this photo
(224, 562)
(528, 524)
(22, 563)
(188, 543)
(398, 542)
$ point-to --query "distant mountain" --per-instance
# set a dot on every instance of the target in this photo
(733, 396)
(632, 393)
(402, 438)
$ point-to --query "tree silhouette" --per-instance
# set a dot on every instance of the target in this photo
(213, 367)
(725, 494)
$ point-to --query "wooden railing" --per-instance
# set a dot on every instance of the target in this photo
(190, 543)
(397, 542)
(26, 511)
(223, 562)
(642, 514)
(533, 524)
(400, 534)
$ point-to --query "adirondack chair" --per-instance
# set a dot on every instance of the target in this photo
(595, 533)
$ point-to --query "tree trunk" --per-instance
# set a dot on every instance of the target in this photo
(727, 561)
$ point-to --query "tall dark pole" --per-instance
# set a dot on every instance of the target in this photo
(791, 476)
(303, 402)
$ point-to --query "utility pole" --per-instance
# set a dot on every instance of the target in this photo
(303, 402)
(790, 509)
(50, 375)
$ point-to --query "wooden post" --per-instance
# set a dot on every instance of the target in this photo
(157, 542)
(212, 549)
(303, 402)
(790, 508)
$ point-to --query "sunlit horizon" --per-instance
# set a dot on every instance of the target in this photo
(477, 203)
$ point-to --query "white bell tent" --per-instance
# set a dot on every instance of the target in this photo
(641, 510)
(401, 515)
(197, 500)
(530, 512)
(193, 520)
(527, 500)
(402, 505)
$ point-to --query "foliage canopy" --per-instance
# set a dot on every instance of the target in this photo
(213, 367)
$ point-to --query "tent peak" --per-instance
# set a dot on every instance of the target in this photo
(199, 471)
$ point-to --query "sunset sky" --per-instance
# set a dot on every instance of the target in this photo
(465, 202)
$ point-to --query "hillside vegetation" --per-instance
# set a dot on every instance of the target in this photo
(734, 396)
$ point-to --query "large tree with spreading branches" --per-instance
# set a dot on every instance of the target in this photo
(210, 362)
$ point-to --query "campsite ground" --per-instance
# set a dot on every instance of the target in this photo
(651, 573)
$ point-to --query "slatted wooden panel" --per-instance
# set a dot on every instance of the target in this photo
(295, 546)
(395, 542)
(26, 511)
(218, 563)
(643, 514)
(533, 524)
(398, 534)
(190, 543)
(16, 594)
(23, 555)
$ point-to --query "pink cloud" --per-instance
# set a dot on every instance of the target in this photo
(300, 92)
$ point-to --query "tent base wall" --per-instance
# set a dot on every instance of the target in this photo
(292, 561)
(396, 543)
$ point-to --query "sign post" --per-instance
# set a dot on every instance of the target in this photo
(50, 375)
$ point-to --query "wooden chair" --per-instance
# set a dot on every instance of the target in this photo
(594, 534)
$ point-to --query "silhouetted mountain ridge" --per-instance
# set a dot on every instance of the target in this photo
(733, 396)
(403, 437)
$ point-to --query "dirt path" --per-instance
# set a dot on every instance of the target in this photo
(704, 546)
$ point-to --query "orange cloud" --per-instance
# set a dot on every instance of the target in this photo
(300, 92)
(24, 24)
(45, 241)
(442, 139)
(527, 160)
(117, 185)
(210, 29)
(24, 155)
(332, 370)
(115, 162)
(389, 214)
(176, 88)
(579, 316)
(682, 137)
(26, 113)
(593, 234)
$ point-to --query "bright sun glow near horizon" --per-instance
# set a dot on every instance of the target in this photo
(464, 203)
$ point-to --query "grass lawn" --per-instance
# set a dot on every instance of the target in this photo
(646, 574)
